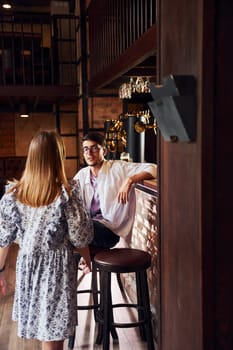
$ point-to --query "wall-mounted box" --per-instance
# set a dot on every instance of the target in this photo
(174, 108)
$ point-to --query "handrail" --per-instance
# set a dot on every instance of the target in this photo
(38, 50)
(114, 27)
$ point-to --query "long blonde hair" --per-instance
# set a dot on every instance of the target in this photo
(44, 172)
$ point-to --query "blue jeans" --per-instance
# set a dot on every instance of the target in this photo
(103, 236)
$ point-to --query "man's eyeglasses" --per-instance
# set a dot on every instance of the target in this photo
(91, 149)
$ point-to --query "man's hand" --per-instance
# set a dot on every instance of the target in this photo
(123, 194)
(85, 261)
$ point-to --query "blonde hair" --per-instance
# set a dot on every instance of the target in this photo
(44, 172)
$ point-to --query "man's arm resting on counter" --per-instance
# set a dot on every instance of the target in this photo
(144, 175)
(125, 188)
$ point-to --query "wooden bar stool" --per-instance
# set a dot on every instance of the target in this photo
(123, 260)
(94, 291)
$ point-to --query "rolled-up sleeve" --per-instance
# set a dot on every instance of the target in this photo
(134, 168)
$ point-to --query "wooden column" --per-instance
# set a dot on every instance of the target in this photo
(196, 181)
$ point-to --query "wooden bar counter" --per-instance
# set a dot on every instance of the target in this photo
(145, 237)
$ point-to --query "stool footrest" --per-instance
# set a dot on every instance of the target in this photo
(127, 305)
(87, 307)
(129, 324)
(88, 291)
(143, 321)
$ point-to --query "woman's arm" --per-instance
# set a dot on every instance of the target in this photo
(85, 253)
(3, 255)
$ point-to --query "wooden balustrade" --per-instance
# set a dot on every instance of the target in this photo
(115, 27)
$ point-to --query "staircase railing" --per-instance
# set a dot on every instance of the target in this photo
(114, 27)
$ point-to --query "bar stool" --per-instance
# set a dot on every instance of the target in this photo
(94, 291)
(123, 260)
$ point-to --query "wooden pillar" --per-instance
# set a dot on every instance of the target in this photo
(196, 181)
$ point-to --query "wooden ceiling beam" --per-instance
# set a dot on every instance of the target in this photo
(45, 90)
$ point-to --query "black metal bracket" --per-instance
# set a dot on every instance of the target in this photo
(174, 107)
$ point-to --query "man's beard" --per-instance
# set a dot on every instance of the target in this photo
(93, 163)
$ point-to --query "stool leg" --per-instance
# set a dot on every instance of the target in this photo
(94, 288)
(100, 312)
(112, 328)
(99, 336)
(71, 341)
(141, 311)
(119, 281)
(146, 305)
(107, 307)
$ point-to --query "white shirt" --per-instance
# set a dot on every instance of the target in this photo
(116, 216)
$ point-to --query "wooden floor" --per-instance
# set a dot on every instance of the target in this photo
(85, 332)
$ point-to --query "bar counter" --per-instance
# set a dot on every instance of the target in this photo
(145, 237)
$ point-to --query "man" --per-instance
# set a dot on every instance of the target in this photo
(107, 188)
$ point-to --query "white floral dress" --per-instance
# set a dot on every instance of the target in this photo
(45, 302)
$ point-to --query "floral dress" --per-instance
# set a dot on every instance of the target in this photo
(45, 302)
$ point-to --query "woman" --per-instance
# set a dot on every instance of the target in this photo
(44, 212)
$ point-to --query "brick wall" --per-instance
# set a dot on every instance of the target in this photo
(101, 109)
(16, 133)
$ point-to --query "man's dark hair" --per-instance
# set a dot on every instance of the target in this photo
(95, 136)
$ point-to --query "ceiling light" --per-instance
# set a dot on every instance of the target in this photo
(23, 110)
(6, 6)
(24, 115)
